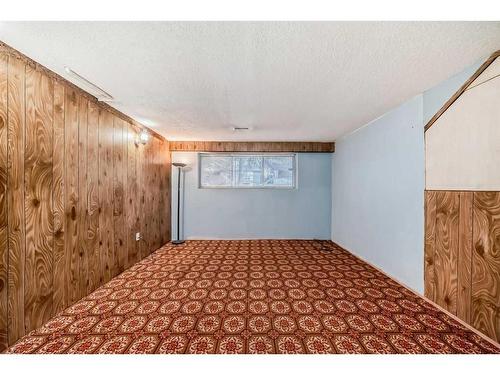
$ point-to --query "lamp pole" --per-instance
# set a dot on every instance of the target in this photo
(179, 166)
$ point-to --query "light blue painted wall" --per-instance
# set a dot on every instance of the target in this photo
(302, 213)
(378, 184)
(377, 199)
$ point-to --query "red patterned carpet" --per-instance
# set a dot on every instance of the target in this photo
(264, 296)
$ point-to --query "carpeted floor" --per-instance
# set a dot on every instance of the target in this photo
(263, 296)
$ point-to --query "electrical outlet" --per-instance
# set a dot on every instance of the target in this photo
(137, 236)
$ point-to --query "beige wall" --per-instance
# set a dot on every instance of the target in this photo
(490, 72)
(463, 146)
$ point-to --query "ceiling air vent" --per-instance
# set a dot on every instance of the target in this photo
(241, 128)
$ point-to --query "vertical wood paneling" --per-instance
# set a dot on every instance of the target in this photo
(146, 224)
(446, 250)
(119, 172)
(58, 199)
(142, 183)
(168, 192)
(464, 256)
(71, 177)
(155, 192)
(132, 197)
(160, 199)
(164, 196)
(93, 197)
(467, 253)
(71, 206)
(150, 192)
(3, 201)
(486, 263)
(15, 197)
(106, 239)
(38, 199)
(430, 243)
(82, 201)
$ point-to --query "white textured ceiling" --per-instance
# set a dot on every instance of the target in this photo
(287, 80)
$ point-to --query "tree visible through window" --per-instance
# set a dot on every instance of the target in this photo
(241, 170)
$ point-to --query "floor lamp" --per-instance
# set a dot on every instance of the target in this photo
(180, 167)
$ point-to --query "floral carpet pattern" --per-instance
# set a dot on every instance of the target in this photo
(260, 296)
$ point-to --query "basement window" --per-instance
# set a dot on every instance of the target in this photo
(236, 171)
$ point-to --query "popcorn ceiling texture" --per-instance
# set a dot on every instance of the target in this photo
(303, 81)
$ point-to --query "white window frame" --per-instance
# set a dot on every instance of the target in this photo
(263, 154)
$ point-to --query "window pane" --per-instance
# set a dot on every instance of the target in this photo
(248, 170)
(244, 170)
(278, 171)
(216, 171)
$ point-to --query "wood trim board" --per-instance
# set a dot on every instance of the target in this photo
(216, 146)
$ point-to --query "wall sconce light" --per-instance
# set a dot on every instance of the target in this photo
(143, 137)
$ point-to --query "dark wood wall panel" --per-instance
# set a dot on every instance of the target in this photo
(211, 146)
(106, 235)
(164, 195)
(486, 263)
(82, 257)
(464, 264)
(38, 179)
(75, 188)
(3, 202)
(147, 224)
(430, 242)
(167, 192)
(71, 189)
(15, 197)
(58, 201)
(93, 197)
(119, 169)
(131, 197)
(142, 183)
(462, 256)
(446, 250)
(155, 185)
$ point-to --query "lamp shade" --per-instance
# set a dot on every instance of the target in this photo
(180, 165)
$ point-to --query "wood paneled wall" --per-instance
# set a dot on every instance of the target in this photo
(74, 190)
(209, 146)
(462, 256)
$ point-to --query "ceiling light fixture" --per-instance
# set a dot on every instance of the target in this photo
(101, 95)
